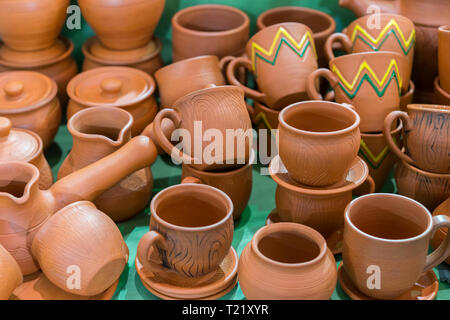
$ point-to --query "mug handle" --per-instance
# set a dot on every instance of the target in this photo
(313, 78)
(343, 39)
(388, 122)
(443, 251)
(145, 246)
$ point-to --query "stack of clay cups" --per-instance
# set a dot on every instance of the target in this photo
(442, 82)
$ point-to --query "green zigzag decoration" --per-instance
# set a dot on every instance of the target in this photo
(406, 52)
(379, 93)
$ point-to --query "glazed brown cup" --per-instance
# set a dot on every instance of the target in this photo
(426, 136)
(391, 234)
(191, 230)
(444, 57)
(318, 141)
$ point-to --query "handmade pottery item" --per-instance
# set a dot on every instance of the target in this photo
(287, 261)
(121, 87)
(281, 75)
(82, 236)
(407, 98)
(10, 274)
(386, 236)
(98, 132)
(24, 145)
(218, 110)
(137, 21)
(440, 96)
(318, 141)
(444, 57)
(24, 208)
(146, 58)
(441, 234)
(425, 134)
(266, 121)
(321, 24)
(29, 100)
(29, 25)
(430, 189)
(209, 29)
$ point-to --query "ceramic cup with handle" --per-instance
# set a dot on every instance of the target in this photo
(391, 234)
(444, 57)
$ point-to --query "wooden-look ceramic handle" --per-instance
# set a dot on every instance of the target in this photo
(443, 251)
(146, 247)
(13, 89)
(337, 37)
(313, 78)
(5, 127)
(387, 129)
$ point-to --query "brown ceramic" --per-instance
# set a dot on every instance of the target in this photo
(370, 81)
(407, 98)
(318, 141)
(122, 87)
(29, 100)
(281, 75)
(24, 208)
(266, 122)
(287, 261)
(390, 234)
(444, 57)
(98, 132)
(216, 110)
(440, 96)
(209, 29)
(10, 274)
(123, 24)
(146, 58)
(82, 239)
(426, 135)
(441, 234)
(29, 25)
(24, 145)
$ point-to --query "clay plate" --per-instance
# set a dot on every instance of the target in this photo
(426, 288)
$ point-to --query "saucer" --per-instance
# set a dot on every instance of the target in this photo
(224, 280)
(426, 288)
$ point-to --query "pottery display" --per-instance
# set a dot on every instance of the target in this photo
(209, 29)
(391, 234)
(425, 134)
(287, 261)
(10, 274)
(29, 100)
(441, 234)
(370, 81)
(138, 20)
(440, 96)
(98, 132)
(122, 87)
(443, 57)
(24, 145)
(266, 122)
(281, 75)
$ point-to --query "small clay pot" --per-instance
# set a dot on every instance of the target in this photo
(440, 96)
(209, 29)
(287, 261)
(121, 87)
(81, 240)
(147, 58)
(123, 24)
(444, 57)
(441, 234)
(318, 141)
(10, 274)
(266, 121)
(30, 101)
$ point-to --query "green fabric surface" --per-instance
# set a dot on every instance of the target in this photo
(166, 174)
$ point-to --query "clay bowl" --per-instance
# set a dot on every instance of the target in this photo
(10, 274)
(441, 234)
(440, 96)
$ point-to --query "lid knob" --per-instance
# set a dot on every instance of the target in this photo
(111, 85)
(5, 127)
(13, 88)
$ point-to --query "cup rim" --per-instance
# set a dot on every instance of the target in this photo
(370, 53)
(423, 172)
(276, 26)
(176, 64)
(429, 107)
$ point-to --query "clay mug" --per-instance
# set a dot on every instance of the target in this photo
(426, 136)
(191, 230)
(443, 57)
(318, 141)
(390, 232)
(10, 274)
(266, 122)
(281, 75)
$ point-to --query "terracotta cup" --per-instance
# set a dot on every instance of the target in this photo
(444, 57)
(191, 230)
(391, 234)
(370, 81)
(80, 240)
(266, 121)
(440, 96)
(281, 57)
(318, 141)
(10, 274)
(407, 97)
(426, 135)
(441, 234)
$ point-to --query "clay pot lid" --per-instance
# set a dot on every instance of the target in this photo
(17, 144)
(112, 86)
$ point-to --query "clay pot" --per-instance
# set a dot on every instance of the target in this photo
(98, 132)
(146, 58)
(321, 24)
(123, 24)
(24, 145)
(121, 87)
(444, 58)
(10, 274)
(428, 188)
(266, 121)
(391, 234)
(440, 96)
(281, 75)
(29, 100)
(287, 261)
(370, 81)
(30, 25)
(426, 137)
(209, 29)
(24, 208)
(191, 230)
(441, 234)
(318, 141)
(217, 110)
